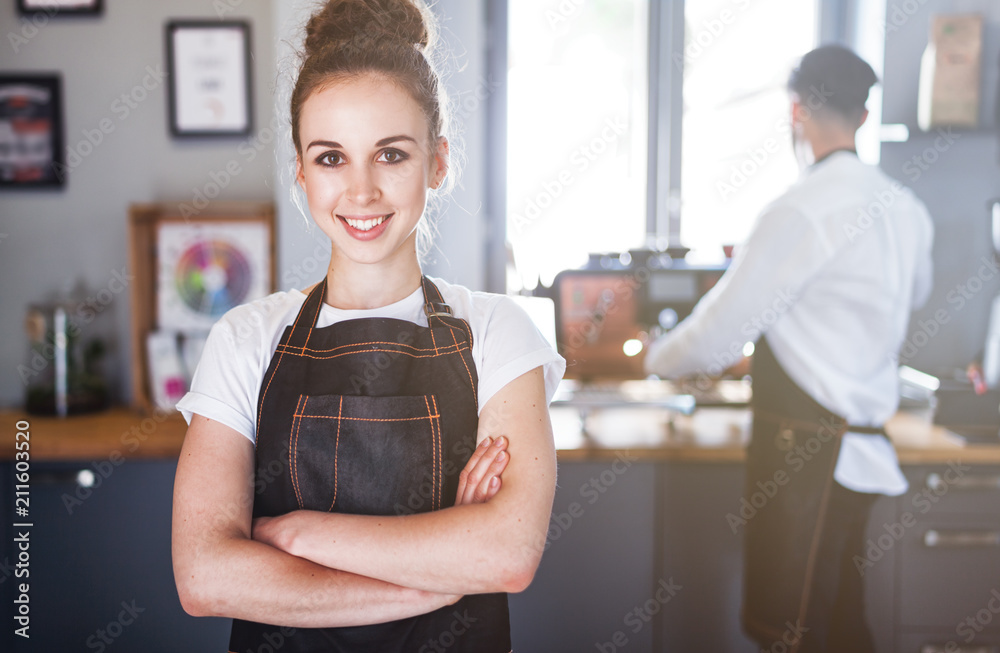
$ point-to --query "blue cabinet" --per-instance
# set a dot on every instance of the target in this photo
(100, 569)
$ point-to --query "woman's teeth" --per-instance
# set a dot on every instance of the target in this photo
(365, 225)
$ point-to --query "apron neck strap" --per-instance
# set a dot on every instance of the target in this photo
(434, 304)
(308, 315)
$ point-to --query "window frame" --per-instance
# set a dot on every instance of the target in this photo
(837, 24)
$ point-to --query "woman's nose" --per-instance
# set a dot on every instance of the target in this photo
(363, 188)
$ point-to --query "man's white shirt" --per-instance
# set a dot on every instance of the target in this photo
(830, 272)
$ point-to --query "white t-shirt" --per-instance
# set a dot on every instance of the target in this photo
(831, 272)
(226, 383)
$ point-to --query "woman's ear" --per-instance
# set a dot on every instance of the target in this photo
(300, 177)
(442, 157)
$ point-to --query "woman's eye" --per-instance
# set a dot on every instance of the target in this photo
(392, 156)
(330, 159)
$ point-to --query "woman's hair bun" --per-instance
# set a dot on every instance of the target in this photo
(342, 21)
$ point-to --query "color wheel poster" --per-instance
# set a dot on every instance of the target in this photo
(207, 269)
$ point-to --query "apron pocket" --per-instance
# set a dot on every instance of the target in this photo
(366, 455)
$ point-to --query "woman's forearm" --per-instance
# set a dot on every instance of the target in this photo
(243, 579)
(461, 550)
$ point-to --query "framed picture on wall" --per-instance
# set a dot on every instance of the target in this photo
(53, 7)
(31, 131)
(208, 63)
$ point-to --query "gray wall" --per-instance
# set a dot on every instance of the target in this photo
(60, 240)
(959, 179)
(53, 242)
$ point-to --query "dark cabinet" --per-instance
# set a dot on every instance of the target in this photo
(596, 587)
(100, 569)
(949, 560)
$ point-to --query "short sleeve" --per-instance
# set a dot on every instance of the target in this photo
(224, 385)
(512, 345)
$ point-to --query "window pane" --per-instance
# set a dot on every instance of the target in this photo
(577, 132)
(737, 153)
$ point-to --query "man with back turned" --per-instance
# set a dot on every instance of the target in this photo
(825, 285)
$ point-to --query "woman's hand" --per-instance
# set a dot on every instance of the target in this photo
(480, 480)
(278, 532)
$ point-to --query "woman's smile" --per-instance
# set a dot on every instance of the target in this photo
(365, 227)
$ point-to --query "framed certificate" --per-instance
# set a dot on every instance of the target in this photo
(31, 131)
(208, 64)
(52, 7)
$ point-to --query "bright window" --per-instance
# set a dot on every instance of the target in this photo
(577, 132)
(578, 124)
(736, 140)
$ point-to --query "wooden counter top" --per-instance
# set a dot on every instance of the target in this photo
(96, 436)
(719, 435)
(711, 435)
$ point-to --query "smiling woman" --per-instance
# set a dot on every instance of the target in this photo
(340, 482)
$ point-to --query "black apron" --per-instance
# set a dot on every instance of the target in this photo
(372, 416)
(793, 437)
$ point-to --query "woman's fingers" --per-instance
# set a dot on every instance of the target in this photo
(489, 485)
(463, 477)
(475, 483)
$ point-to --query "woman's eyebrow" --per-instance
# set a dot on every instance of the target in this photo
(393, 139)
(382, 143)
(325, 144)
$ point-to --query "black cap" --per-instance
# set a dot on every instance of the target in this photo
(833, 77)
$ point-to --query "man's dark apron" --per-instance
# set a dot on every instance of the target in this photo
(373, 416)
(796, 439)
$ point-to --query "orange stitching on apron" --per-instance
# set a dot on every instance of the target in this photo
(312, 323)
(467, 371)
(388, 351)
(260, 408)
(434, 469)
(336, 454)
(368, 419)
(294, 451)
(436, 425)
(360, 344)
(447, 349)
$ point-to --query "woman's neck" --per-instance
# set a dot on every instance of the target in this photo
(351, 285)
